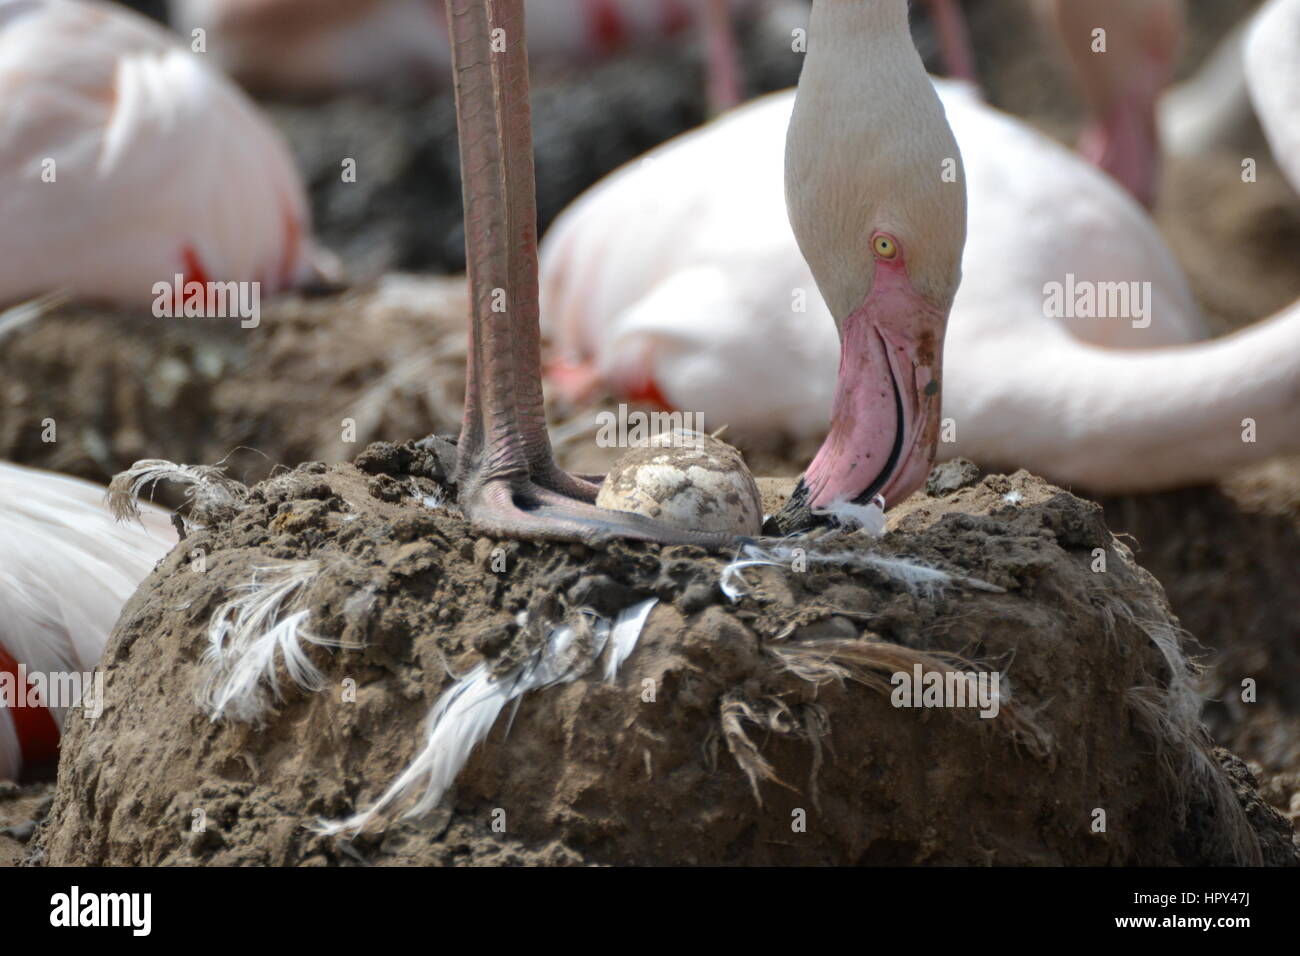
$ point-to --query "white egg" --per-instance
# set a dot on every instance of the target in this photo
(686, 480)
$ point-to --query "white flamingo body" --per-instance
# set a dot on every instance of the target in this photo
(708, 273)
(1161, 417)
(125, 161)
(683, 269)
(66, 570)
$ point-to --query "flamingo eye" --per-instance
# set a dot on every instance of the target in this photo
(884, 247)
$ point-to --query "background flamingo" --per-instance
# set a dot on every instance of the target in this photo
(1122, 83)
(315, 47)
(125, 160)
(66, 569)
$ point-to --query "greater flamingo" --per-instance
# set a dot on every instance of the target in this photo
(126, 161)
(881, 225)
(702, 304)
(66, 569)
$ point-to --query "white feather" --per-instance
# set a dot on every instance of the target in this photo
(465, 713)
(25, 313)
(210, 492)
(732, 583)
(625, 633)
(916, 577)
(458, 722)
(869, 518)
(247, 637)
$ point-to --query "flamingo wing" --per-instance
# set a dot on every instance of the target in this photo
(125, 161)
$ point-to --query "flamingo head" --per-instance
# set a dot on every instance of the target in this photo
(876, 194)
(885, 418)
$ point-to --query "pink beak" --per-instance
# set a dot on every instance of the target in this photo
(886, 416)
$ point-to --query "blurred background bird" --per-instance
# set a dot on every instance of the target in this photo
(125, 160)
(66, 569)
(319, 47)
(1122, 54)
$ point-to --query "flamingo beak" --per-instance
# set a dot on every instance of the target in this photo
(886, 415)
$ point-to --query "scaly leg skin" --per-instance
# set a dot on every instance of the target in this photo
(509, 483)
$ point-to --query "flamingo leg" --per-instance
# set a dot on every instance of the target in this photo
(954, 38)
(509, 484)
(722, 56)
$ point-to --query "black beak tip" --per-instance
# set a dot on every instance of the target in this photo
(795, 517)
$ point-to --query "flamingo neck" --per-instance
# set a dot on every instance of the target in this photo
(1138, 420)
(832, 18)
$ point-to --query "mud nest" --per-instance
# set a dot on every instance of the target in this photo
(286, 667)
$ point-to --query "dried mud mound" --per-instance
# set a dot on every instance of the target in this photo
(1229, 559)
(751, 722)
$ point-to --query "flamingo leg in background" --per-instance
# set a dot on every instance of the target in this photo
(509, 484)
(722, 56)
(954, 38)
(1122, 81)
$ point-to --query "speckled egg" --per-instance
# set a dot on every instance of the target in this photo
(686, 480)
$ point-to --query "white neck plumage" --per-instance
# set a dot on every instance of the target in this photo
(867, 141)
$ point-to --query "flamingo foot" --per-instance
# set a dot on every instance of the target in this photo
(508, 482)
(524, 509)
